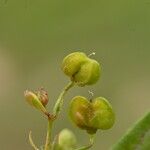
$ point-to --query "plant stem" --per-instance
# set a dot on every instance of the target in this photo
(48, 136)
(31, 141)
(56, 110)
(88, 146)
(59, 102)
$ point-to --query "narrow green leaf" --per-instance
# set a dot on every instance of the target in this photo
(136, 138)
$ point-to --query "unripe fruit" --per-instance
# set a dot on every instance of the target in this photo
(72, 63)
(88, 74)
(79, 111)
(81, 69)
(104, 116)
(66, 140)
(91, 115)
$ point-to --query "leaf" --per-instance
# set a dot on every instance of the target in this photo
(136, 138)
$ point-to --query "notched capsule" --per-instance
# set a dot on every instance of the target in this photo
(81, 69)
(91, 115)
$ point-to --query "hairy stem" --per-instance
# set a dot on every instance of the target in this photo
(48, 136)
(88, 146)
(59, 102)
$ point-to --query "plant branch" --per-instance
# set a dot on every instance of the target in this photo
(31, 141)
(59, 102)
(56, 110)
(88, 146)
(48, 136)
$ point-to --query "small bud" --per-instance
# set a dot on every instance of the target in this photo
(91, 115)
(66, 140)
(81, 69)
(34, 101)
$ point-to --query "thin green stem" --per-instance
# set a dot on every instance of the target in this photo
(56, 110)
(54, 144)
(59, 102)
(31, 141)
(48, 136)
(88, 146)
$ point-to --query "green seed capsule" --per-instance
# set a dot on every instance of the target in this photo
(91, 115)
(66, 140)
(81, 69)
(104, 116)
(79, 111)
(34, 101)
(72, 63)
(88, 74)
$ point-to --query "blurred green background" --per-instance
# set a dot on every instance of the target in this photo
(35, 35)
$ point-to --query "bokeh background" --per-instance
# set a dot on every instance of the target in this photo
(35, 35)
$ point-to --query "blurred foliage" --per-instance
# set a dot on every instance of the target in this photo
(36, 35)
(137, 137)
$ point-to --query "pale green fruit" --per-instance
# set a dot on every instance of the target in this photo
(81, 69)
(104, 116)
(91, 115)
(79, 111)
(88, 74)
(66, 140)
(72, 63)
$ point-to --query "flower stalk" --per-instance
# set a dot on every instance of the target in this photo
(59, 102)
(48, 144)
(56, 111)
(88, 146)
